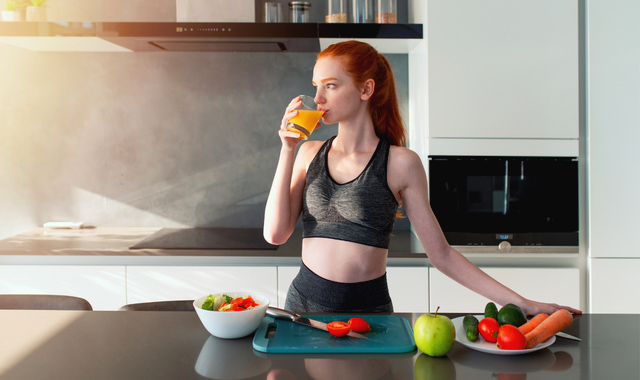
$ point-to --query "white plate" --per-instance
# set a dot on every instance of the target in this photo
(491, 348)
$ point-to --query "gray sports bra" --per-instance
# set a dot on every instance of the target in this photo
(361, 211)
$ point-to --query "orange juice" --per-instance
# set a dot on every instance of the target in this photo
(304, 122)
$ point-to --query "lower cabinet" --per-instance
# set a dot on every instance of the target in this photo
(615, 286)
(285, 278)
(555, 285)
(408, 287)
(160, 283)
(103, 286)
(412, 289)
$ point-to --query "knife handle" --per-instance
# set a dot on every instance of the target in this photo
(276, 312)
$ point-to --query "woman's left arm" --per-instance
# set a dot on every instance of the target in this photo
(408, 177)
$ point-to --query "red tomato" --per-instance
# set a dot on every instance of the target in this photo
(338, 328)
(511, 338)
(359, 325)
(488, 328)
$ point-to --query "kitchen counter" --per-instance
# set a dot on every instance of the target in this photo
(110, 246)
(174, 345)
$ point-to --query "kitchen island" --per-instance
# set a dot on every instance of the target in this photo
(174, 345)
(98, 264)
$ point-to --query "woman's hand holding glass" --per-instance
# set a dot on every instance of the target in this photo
(301, 118)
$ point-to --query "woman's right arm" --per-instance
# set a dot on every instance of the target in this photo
(284, 203)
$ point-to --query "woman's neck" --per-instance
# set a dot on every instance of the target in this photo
(356, 135)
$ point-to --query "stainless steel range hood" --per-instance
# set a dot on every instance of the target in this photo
(203, 37)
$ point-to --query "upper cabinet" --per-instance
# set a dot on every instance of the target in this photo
(503, 69)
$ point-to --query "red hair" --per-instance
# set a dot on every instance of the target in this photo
(364, 62)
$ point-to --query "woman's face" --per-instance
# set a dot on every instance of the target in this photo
(336, 92)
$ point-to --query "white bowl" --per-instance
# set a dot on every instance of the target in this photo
(232, 324)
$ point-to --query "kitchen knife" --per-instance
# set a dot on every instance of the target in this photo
(278, 313)
(567, 336)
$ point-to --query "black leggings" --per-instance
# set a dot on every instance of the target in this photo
(310, 293)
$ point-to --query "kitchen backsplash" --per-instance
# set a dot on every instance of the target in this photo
(146, 139)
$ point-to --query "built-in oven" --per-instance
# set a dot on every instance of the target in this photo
(506, 201)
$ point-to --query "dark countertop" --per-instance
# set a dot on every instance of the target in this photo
(110, 246)
(173, 345)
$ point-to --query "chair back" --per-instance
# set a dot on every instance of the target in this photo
(177, 305)
(43, 302)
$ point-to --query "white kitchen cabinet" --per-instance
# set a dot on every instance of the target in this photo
(614, 151)
(557, 285)
(160, 283)
(503, 69)
(285, 278)
(102, 286)
(615, 286)
(408, 287)
(614, 128)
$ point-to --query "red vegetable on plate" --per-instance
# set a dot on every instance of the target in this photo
(511, 338)
(488, 328)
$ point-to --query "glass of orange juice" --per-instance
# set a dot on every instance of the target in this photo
(307, 118)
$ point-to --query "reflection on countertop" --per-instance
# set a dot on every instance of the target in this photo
(170, 345)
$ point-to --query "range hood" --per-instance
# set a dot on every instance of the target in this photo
(204, 37)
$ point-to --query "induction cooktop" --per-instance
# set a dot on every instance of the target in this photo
(205, 238)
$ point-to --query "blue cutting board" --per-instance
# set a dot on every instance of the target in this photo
(388, 334)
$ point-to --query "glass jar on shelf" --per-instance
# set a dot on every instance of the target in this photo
(273, 12)
(337, 12)
(299, 11)
(386, 12)
(362, 11)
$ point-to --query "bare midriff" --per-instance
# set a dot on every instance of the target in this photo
(343, 261)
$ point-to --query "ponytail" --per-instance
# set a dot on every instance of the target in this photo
(363, 62)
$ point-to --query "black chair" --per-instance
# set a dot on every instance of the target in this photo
(43, 302)
(179, 305)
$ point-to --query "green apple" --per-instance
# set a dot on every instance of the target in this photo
(434, 334)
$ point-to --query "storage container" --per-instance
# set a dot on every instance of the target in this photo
(299, 11)
(386, 12)
(337, 12)
(362, 11)
(215, 11)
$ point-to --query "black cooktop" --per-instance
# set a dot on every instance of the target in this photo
(205, 238)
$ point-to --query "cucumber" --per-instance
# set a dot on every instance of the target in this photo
(470, 324)
(491, 311)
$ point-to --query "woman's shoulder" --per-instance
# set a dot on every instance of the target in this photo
(403, 157)
(309, 149)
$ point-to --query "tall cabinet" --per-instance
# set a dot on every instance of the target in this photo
(501, 78)
(614, 155)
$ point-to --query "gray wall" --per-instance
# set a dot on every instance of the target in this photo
(145, 139)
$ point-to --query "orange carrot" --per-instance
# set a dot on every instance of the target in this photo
(533, 323)
(556, 322)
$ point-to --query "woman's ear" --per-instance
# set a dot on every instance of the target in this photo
(367, 89)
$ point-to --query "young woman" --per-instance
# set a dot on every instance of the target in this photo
(349, 190)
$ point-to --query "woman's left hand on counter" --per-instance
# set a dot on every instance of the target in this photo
(533, 308)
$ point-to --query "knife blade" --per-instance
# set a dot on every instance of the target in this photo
(567, 336)
(278, 313)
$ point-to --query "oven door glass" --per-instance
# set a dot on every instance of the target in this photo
(524, 200)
